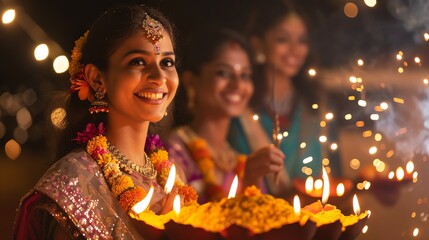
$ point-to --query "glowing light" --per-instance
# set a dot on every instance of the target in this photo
(348, 116)
(415, 232)
(415, 175)
(426, 36)
(315, 106)
(323, 139)
(365, 229)
(8, 16)
(23, 118)
(417, 60)
(318, 184)
(307, 160)
(399, 56)
(279, 136)
(170, 180)
(351, 10)
(400, 70)
(256, 117)
(398, 100)
(355, 164)
(312, 72)
(425, 81)
(390, 153)
(334, 146)
(352, 79)
(233, 189)
(367, 185)
(143, 204)
(380, 167)
(340, 189)
(12, 149)
(352, 98)
(378, 137)
(309, 184)
(376, 162)
(360, 62)
(409, 167)
(362, 103)
(329, 116)
(370, 3)
(296, 205)
(372, 150)
(325, 161)
(391, 175)
(322, 124)
(303, 145)
(400, 173)
(285, 134)
(325, 194)
(356, 207)
(176, 204)
(360, 124)
(41, 52)
(61, 64)
(375, 117)
(57, 118)
(308, 171)
(367, 134)
(384, 105)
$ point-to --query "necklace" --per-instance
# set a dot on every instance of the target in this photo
(147, 170)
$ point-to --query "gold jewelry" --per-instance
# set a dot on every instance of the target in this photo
(126, 165)
(99, 105)
(153, 30)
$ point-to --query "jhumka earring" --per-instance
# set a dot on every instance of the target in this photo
(99, 105)
(153, 30)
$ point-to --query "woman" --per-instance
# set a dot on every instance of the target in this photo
(123, 71)
(279, 35)
(216, 76)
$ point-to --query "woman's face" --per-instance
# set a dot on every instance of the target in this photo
(140, 84)
(224, 85)
(286, 45)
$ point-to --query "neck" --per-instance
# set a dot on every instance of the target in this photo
(283, 86)
(213, 129)
(128, 137)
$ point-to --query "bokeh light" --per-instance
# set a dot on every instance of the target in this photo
(8, 16)
(61, 64)
(41, 52)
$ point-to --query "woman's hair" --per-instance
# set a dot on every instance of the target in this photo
(105, 36)
(201, 48)
(265, 15)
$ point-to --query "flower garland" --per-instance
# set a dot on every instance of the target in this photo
(204, 159)
(122, 185)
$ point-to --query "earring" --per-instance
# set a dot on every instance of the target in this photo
(99, 105)
(165, 114)
(260, 58)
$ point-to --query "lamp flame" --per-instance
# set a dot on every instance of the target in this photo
(170, 180)
(143, 204)
(410, 167)
(309, 184)
(325, 194)
(176, 204)
(356, 207)
(400, 173)
(233, 189)
(296, 205)
(340, 189)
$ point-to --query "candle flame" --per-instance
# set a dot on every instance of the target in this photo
(170, 180)
(176, 204)
(410, 167)
(400, 173)
(340, 189)
(143, 204)
(296, 205)
(325, 194)
(309, 184)
(233, 189)
(356, 207)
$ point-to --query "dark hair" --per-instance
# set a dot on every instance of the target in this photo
(267, 14)
(201, 48)
(105, 36)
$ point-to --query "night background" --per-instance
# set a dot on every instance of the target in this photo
(30, 90)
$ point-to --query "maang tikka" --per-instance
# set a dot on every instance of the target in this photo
(99, 105)
(153, 30)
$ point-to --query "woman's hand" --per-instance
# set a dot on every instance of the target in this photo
(261, 162)
(167, 202)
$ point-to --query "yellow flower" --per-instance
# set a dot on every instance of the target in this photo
(98, 142)
(159, 156)
(76, 56)
(121, 183)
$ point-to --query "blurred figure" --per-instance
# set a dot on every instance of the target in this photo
(217, 85)
(279, 34)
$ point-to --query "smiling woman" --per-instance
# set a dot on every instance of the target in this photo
(123, 71)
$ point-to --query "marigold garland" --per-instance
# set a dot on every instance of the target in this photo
(122, 186)
(204, 159)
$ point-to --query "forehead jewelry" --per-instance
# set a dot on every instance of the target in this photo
(153, 30)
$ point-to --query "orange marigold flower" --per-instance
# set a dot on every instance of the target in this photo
(206, 164)
(83, 88)
(99, 142)
(189, 194)
(121, 183)
(159, 156)
(252, 191)
(130, 197)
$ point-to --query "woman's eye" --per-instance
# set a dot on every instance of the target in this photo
(246, 76)
(167, 63)
(136, 62)
(223, 73)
